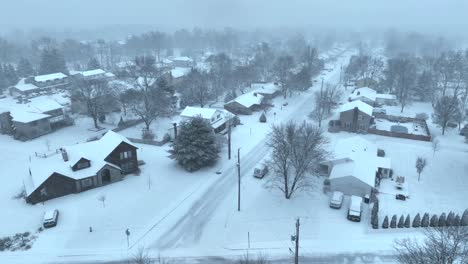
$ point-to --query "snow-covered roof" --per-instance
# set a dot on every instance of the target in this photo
(358, 159)
(50, 77)
(109, 74)
(249, 99)
(205, 113)
(93, 72)
(363, 107)
(22, 86)
(363, 92)
(27, 117)
(94, 151)
(265, 88)
(386, 96)
(178, 72)
(182, 58)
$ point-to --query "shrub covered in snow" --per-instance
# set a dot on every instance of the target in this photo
(385, 222)
(408, 221)
(464, 219)
(375, 215)
(393, 222)
(401, 222)
(417, 221)
(434, 221)
(450, 219)
(425, 220)
(262, 118)
(442, 220)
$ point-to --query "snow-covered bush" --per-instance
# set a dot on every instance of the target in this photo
(385, 223)
(417, 221)
(393, 222)
(425, 220)
(408, 221)
(442, 220)
(262, 118)
(434, 221)
(401, 222)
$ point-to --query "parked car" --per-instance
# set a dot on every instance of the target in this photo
(379, 111)
(260, 173)
(452, 124)
(355, 209)
(400, 197)
(336, 200)
(50, 218)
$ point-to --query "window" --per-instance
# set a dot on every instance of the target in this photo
(85, 183)
(125, 154)
(360, 117)
(44, 191)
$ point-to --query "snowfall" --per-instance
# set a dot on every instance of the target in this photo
(174, 213)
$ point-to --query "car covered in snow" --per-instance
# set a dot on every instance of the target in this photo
(50, 218)
(355, 209)
(336, 200)
(379, 111)
(260, 173)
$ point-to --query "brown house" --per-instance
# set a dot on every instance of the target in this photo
(80, 167)
(355, 116)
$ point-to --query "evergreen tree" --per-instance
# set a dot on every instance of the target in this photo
(464, 219)
(393, 222)
(408, 221)
(385, 223)
(375, 215)
(442, 220)
(425, 220)
(263, 118)
(450, 219)
(195, 145)
(456, 220)
(401, 222)
(434, 221)
(24, 68)
(52, 62)
(9, 74)
(417, 221)
(93, 64)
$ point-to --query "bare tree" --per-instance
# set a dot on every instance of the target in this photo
(142, 257)
(325, 100)
(259, 259)
(96, 95)
(446, 110)
(297, 153)
(442, 245)
(420, 165)
(435, 145)
(102, 198)
(282, 68)
(400, 75)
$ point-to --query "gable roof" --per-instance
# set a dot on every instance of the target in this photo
(95, 151)
(363, 92)
(361, 106)
(265, 88)
(92, 72)
(23, 87)
(49, 77)
(205, 113)
(248, 99)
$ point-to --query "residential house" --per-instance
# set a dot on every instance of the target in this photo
(40, 83)
(355, 116)
(245, 104)
(356, 168)
(268, 90)
(182, 61)
(80, 167)
(371, 97)
(97, 74)
(217, 118)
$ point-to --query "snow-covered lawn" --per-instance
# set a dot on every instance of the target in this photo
(412, 127)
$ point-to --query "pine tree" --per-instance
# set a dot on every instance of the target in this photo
(93, 64)
(417, 221)
(425, 220)
(464, 219)
(450, 219)
(195, 146)
(456, 220)
(408, 221)
(24, 68)
(401, 222)
(385, 222)
(263, 118)
(375, 215)
(52, 62)
(442, 220)
(434, 221)
(393, 222)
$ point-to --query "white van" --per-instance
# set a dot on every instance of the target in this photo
(50, 218)
(355, 209)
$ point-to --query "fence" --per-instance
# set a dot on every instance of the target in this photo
(127, 124)
(401, 119)
(148, 142)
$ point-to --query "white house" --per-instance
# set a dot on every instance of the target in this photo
(356, 168)
(371, 97)
(217, 118)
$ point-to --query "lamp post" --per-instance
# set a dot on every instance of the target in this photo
(238, 179)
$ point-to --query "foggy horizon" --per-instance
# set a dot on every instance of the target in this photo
(436, 17)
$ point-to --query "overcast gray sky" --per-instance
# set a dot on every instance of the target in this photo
(360, 14)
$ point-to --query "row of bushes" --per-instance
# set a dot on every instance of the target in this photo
(443, 220)
(20, 241)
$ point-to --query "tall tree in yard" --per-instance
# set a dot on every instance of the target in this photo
(93, 64)
(96, 95)
(282, 68)
(297, 150)
(445, 110)
(400, 75)
(420, 165)
(24, 68)
(52, 61)
(195, 145)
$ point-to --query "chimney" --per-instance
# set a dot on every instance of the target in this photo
(64, 154)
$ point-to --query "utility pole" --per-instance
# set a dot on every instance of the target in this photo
(238, 179)
(296, 252)
(229, 140)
